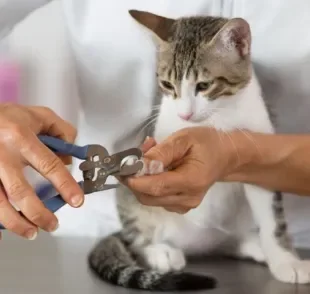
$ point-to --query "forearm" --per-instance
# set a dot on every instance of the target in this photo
(276, 162)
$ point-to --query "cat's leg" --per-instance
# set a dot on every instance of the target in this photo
(281, 257)
(142, 228)
(150, 250)
(248, 247)
(137, 258)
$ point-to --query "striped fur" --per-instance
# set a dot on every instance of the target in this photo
(281, 232)
(204, 68)
(112, 261)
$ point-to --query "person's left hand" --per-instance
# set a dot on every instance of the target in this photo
(195, 159)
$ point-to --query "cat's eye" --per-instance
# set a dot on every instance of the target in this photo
(203, 86)
(167, 85)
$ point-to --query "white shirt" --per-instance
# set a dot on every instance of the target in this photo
(115, 65)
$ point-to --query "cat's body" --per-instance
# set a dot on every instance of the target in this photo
(234, 219)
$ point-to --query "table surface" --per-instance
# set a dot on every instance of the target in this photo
(52, 265)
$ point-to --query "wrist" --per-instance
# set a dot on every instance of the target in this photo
(252, 152)
(258, 153)
(242, 150)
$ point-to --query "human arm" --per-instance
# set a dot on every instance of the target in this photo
(278, 162)
(201, 156)
(20, 147)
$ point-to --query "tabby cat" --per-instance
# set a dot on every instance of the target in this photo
(206, 78)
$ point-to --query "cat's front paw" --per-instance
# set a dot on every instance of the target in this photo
(163, 258)
(294, 272)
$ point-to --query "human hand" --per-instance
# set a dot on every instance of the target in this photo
(19, 147)
(195, 158)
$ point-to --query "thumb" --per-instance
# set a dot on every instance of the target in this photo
(173, 149)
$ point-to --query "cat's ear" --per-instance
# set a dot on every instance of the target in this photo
(159, 25)
(234, 38)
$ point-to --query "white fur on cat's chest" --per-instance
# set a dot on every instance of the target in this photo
(224, 212)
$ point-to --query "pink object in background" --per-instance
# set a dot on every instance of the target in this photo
(9, 81)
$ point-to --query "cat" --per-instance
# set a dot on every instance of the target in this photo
(206, 78)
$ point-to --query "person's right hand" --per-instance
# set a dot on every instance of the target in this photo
(19, 147)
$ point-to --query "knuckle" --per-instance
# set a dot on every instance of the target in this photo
(15, 225)
(181, 138)
(157, 153)
(15, 132)
(47, 111)
(49, 165)
(17, 190)
(37, 217)
(12, 225)
(66, 185)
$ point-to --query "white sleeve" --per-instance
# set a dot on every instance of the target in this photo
(14, 11)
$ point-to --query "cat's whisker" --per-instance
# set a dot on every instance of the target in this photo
(251, 139)
(147, 125)
(247, 135)
(234, 146)
(219, 134)
(224, 131)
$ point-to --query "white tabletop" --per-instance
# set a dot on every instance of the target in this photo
(52, 265)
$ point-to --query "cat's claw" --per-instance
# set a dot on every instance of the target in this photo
(164, 258)
(293, 272)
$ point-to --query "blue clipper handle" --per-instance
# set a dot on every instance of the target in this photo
(53, 204)
(65, 148)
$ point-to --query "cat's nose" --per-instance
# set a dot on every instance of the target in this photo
(186, 116)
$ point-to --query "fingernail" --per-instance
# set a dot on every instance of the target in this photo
(146, 139)
(53, 227)
(31, 235)
(76, 201)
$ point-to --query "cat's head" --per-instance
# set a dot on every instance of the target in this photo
(201, 60)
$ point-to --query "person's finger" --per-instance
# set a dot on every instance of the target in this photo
(13, 221)
(148, 144)
(160, 201)
(173, 203)
(149, 200)
(172, 149)
(52, 168)
(170, 182)
(55, 126)
(21, 193)
(177, 209)
(166, 183)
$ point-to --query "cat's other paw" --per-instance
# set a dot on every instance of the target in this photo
(294, 272)
(154, 167)
(163, 258)
(251, 248)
